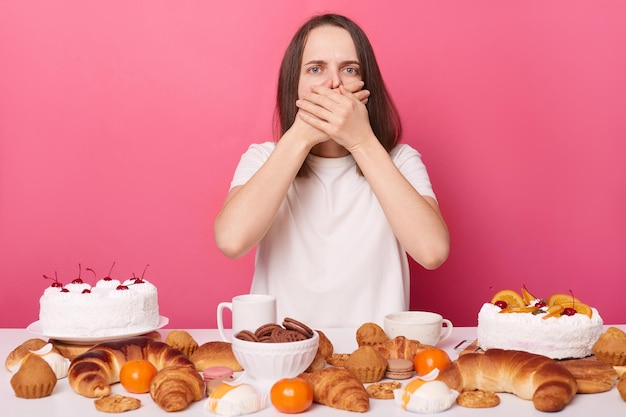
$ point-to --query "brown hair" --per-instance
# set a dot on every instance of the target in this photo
(383, 114)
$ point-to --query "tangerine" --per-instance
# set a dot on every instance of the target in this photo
(291, 395)
(136, 376)
(430, 358)
(563, 299)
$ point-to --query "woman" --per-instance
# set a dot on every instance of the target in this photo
(336, 203)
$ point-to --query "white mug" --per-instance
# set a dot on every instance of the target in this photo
(423, 326)
(249, 311)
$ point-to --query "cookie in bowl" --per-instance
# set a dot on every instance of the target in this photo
(284, 355)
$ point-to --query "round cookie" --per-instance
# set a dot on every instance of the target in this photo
(478, 399)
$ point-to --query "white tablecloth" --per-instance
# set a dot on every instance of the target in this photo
(66, 403)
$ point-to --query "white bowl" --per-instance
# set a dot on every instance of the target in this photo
(274, 361)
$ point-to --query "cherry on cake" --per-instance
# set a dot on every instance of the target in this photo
(109, 308)
(559, 327)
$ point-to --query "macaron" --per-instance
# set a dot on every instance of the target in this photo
(215, 375)
(399, 369)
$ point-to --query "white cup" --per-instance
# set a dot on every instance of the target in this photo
(423, 326)
(249, 311)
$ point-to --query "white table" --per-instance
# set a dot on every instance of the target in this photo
(66, 403)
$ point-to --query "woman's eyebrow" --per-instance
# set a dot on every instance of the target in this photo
(322, 62)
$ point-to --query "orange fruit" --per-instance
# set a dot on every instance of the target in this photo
(563, 299)
(291, 395)
(429, 359)
(136, 376)
(510, 297)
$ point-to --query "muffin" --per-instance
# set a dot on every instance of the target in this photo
(366, 364)
(370, 334)
(183, 341)
(34, 379)
(611, 347)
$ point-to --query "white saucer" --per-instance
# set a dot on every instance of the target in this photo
(35, 328)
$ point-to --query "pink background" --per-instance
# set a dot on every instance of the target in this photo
(121, 123)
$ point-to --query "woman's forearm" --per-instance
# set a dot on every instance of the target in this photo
(416, 220)
(250, 209)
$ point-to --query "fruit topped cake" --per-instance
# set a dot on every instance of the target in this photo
(559, 327)
(110, 308)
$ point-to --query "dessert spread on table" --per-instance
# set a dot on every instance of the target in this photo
(416, 377)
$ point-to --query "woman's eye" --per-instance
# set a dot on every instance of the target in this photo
(315, 70)
(352, 71)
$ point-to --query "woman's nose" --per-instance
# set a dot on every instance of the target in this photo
(335, 79)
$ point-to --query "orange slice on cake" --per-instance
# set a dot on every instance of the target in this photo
(527, 296)
(563, 299)
(510, 297)
(581, 308)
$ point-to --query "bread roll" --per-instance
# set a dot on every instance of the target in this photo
(550, 386)
(215, 354)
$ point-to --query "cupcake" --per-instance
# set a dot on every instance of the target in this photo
(611, 347)
(34, 379)
(366, 364)
(370, 334)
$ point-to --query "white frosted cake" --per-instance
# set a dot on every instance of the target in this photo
(558, 336)
(110, 308)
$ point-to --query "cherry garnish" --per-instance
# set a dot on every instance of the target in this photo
(121, 287)
(78, 280)
(569, 311)
(86, 291)
(108, 277)
(540, 304)
(502, 304)
(56, 283)
(64, 290)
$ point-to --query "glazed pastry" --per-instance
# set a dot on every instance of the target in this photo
(215, 354)
(183, 341)
(324, 350)
(370, 334)
(611, 347)
(34, 379)
(92, 373)
(21, 351)
(175, 387)
(400, 347)
(366, 364)
(550, 386)
(338, 388)
(592, 376)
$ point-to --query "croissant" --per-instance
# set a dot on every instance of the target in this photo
(550, 386)
(175, 387)
(338, 388)
(91, 373)
(399, 347)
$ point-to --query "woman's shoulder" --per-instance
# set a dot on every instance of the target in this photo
(403, 151)
(262, 149)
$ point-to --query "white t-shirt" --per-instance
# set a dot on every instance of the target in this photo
(330, 256)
